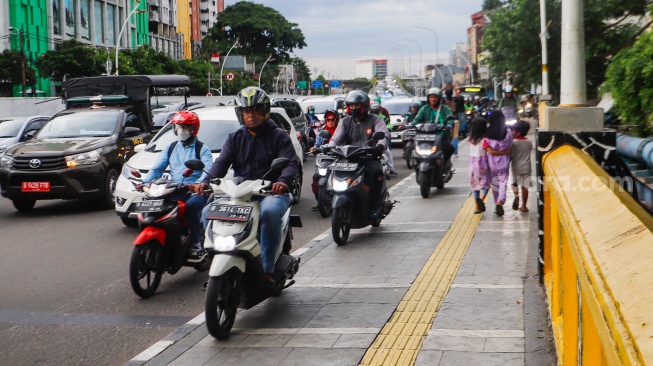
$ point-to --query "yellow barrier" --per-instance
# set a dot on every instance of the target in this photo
(598, 264)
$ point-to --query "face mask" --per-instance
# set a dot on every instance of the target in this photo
(183, 135)
(356, 113)
(311, 112)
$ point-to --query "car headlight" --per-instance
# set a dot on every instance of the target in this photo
(3, 147)
(224, 243)
(86, 158)
(6, 161)
(131, 173)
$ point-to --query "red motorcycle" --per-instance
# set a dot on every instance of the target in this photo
(163, 243)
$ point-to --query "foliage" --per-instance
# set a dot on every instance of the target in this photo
(629, 79)
(146, 61)
(512, 37)
(301, 69)
(198, 72)
(10, 70)
(491, 4)
(69, 59)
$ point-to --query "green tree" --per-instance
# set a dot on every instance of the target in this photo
(70, 59)
(629, 79)
(301, 69)
(10, 71)
(198, 71)
(491, 4)
(146, 61)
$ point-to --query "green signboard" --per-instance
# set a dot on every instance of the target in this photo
(302, 84)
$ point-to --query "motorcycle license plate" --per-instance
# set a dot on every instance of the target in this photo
(344, 167)
(149, 206)
(425, 137)
(229, 212)
(35, 187)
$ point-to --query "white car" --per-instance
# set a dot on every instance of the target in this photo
(321, 104)
(398, 108)
(216, 124)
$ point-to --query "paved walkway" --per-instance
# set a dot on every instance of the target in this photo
(433, 285)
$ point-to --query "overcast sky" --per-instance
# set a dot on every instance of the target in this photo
(339, 32)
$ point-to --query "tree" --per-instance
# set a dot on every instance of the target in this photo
(10, 71)
(491, 4)
(303, 73)
(70, 59)
(146, 61)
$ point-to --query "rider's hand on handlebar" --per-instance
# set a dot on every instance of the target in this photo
(198, 187)
(138, 187)
(279, 188)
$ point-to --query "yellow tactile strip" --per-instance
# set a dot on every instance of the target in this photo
(402, 336)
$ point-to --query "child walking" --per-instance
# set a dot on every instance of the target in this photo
(478, 165)
(498, 142)
(521, 164)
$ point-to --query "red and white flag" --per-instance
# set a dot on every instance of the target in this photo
(215, 57)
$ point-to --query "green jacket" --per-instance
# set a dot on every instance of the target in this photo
(426, 115)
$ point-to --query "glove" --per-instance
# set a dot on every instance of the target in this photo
(378, 150)
(448, 127)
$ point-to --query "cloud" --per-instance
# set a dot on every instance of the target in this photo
(338, 33)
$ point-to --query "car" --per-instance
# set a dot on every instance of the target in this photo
(174, 107)
(321, 104)
(80, 151)
(16, 129)
(216, 124)
(161, 119)
(398, 108)
(296, 115)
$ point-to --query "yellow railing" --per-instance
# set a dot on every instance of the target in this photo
(598, 264)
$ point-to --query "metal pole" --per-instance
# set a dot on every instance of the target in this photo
(471, 68)
(421, 70)
(122, 29)
(262, 67)
(409, 60)
(436, 42)
(22, 61)
(573, 88)
(402, 60)
(544, 35)
(225, 61)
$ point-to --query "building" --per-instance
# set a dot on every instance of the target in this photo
(368, 69)
(474, 37)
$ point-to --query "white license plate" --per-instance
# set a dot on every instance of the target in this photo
(149, 206)
(344, 167)
(222, 212)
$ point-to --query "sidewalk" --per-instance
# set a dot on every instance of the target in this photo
(433, 285)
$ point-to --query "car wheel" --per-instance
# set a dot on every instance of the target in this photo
(107, 200)
(296, 189)
(129, 222)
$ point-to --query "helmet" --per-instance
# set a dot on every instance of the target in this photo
(415, 104)
(377, 99)
(187, 118)
(250, 97)
(331, 111)
(509, 89)
(358, 97)
(435, 91)
(375, 108)
(310, 108)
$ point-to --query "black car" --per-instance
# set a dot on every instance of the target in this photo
(80, 151)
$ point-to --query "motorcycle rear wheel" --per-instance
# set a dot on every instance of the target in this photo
(145, 265)
(340, 225)
(324, 202)
(222, 298)
(424, 184)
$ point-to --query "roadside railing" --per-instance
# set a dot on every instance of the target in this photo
(597, 262)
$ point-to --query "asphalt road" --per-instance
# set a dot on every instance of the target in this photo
(65, 297)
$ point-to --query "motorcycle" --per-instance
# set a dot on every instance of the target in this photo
(311, 131)
(511, 115)
(236, 277)
(163, 243)
(431, 169)
(408, 143)
(323, 196)
(351, 208)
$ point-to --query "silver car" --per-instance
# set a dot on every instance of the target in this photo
(16, 129)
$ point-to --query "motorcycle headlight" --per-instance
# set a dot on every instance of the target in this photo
(321, 171)
(224, 243)
(157, 190)
(6, 161)
(86, 158)
(339, 185)
(426, 150)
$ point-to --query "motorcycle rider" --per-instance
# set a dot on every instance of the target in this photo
(185, 126)
(311, 120)
(249, 151)
(382, 111)
(357, 129)
(509, 99)
(435, 112)
(413, 109)
(375, 108)
(331, 118)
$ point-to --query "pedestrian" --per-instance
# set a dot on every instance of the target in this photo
(521, 164)
(478, 163)
(498, 142)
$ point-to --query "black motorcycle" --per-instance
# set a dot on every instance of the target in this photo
(322, 195)
(408, 144)
(351, 201)
(431, 169)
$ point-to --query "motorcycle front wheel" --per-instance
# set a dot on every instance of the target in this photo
(222, 298)
(425, 184)
(324, 202)
(340, 225)
(145, 270)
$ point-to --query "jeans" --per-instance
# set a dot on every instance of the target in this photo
(194, 205)
(273, 209)
(477, 194)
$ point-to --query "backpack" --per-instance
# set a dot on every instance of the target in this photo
(198, 149)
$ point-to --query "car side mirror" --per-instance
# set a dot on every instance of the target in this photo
(378, 135)
(139, 148)
(132, 131)
(194, 164)
(325, 134)
(29, 135)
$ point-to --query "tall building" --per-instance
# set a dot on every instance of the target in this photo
(368, 69)
(474, 37)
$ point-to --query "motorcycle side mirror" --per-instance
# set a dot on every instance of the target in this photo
(277, 165)
(187, 172)
(398, 120)
(378, 135)
(325, 134)
(194, 164)
(451, 118)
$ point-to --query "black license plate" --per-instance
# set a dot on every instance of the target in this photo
(229, 212)
(344, 167)
(425, 137)
(149, 206)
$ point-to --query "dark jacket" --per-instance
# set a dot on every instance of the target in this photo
(251, 156)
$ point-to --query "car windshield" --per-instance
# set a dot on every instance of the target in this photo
(81, 124)
(397, 108)
(9, 126)
(320, 107)
(160, 119)
(213, 133)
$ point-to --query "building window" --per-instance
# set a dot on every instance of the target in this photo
(70, 18)
(111, 25)
(84, 19)
(98, 29)
(56, 17)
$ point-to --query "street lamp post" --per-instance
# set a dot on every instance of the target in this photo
(436, 41)
(420, 56)
(409, 60)
(224, 62)
(402, 59)
(22, 58)
(262, 67)
(471, 68)
(122, 29)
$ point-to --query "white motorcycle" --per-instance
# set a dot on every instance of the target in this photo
(232, 235)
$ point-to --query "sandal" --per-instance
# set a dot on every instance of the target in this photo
(481, 205)
(523, 209)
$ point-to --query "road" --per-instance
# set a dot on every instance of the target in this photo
(65, 296)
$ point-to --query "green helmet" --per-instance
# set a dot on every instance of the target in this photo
(378, 100)
(435, 91)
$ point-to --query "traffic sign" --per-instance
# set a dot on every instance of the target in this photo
(335, 83)
(230, 76)
(302, 84)
(317, 84)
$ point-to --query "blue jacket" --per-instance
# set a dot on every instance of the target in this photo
(251, 156)
(180, 154)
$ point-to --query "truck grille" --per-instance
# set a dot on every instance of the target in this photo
(47, 163)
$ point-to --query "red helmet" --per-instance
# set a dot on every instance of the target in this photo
(187, 118)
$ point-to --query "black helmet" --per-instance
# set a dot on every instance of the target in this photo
(358, 97)
(251, 97)
(335, 114)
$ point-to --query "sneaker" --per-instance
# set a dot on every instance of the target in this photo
(499, 210)
(315, 207)
(392, 172)
(196, 255)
